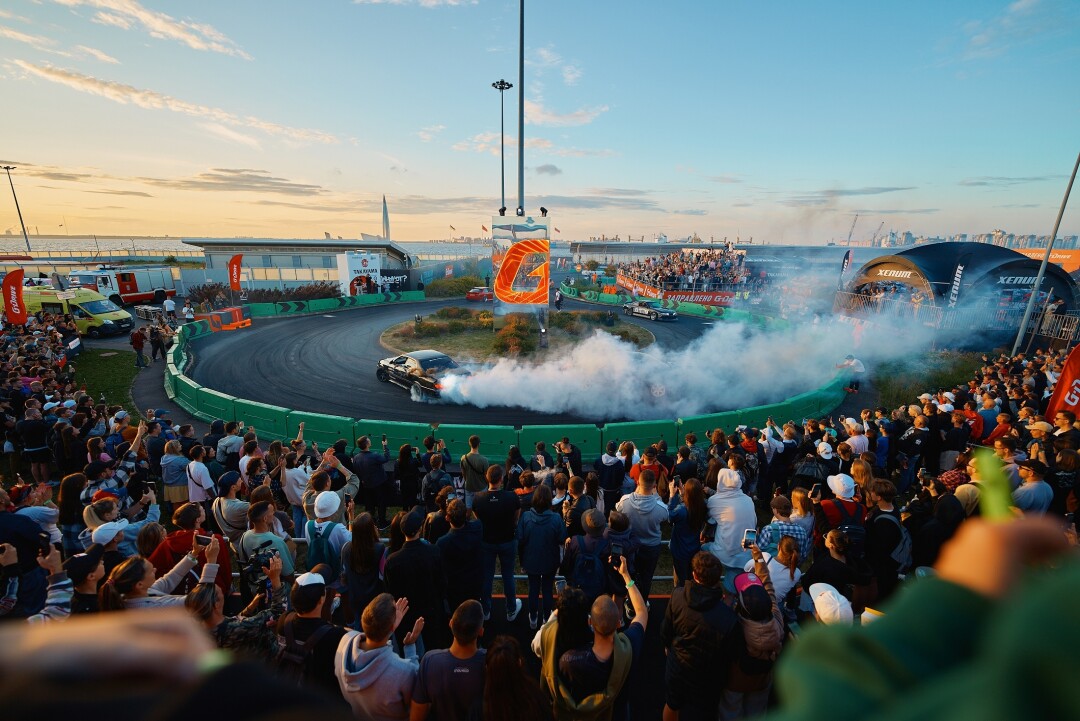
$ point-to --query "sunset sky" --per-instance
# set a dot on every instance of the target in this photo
(777, 120)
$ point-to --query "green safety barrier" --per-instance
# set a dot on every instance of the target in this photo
(270, 421)
(215, 405)
(586, 437)
(322, 429)
(197, 329)
(495, 441)
(702, 426)
(644, 433)
(323, 305)
(186, 394)
(398, 434)
(262, 310)
(171, 372)
(412, 295)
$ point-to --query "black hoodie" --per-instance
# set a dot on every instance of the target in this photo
(698, 632)
(217, 432)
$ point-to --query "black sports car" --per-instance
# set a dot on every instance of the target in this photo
(650, 309)
(418, 370)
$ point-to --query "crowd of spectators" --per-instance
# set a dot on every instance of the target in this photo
(710, 269)
(169, 544)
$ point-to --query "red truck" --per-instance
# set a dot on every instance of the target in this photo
(127, 285)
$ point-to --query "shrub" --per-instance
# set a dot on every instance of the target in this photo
(454, 312)
(311, 291)
(450, 287)
(456, 326)
(406, 332)
(592, 265)
(610, 271)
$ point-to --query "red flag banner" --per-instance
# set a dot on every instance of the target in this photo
(1066, 395)
(14, 307)
(234, 271)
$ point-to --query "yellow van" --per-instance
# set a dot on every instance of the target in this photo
(94, 314)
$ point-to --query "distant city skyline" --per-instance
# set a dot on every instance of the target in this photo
(779, 122)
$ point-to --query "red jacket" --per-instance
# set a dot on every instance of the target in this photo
(1002, 429)
(976, 422)
(178, 544)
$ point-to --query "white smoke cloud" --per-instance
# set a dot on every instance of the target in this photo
(729, 366)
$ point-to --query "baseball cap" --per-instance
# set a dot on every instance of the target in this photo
(1038, 466)
(106, 532)
(593, 522)
(80, 566)
(49, 406)
(411, 524)
(326, 504)
(830, 605)
(102, 494)
(753, 598)
(161, 412)
(824, 450)
(311, 578)
(1040, 426)
(70, 403)
(227, 481)
(120, 415)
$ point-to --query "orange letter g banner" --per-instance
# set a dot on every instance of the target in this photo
(528, 257)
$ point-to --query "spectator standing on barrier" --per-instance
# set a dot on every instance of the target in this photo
(541, 533)
(416, 572)
(474, 471)
(699, 637)
(855, 369)
(462, 549)
(498, 511)
(646, 512)
(369, 468)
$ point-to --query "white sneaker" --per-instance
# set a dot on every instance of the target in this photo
(511, 616)
(533, 621)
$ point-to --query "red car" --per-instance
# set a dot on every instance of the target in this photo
(480, 294)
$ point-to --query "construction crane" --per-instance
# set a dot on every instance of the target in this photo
(876, 233)
(852, 228)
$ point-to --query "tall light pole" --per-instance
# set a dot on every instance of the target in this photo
(521, 115)
(8, 169)
(502, 85)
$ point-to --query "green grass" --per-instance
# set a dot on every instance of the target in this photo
(109, 372)
(901, 382)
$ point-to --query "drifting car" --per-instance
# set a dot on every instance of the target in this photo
(481, 294)
(419, 371)
(650, 309)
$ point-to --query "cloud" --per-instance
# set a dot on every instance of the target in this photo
(537, 114)
(421, 3)
(548, 169)
(619, 191)
(488, 142)
(126, 14)
(693, 211)
(38, 42)
(898, 211)
(428, 134)
(1019, 205)
(544, 58)
(230, 135)
(152, 100)
(133, 193)
(829, 196)
(1022, 22)
(97, 54)
(599, 202)
(1006, 181)
(240, 180)
(571, 74)
(724, 179)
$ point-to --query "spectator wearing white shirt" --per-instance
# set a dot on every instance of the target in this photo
(294, 484)
(200, 484)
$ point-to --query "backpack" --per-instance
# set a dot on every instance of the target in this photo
(111, 442)
(294, 657)
(764, 639)
(432, 485)
(902, 553)
(853, 529)
(319, 550)
(589, 572)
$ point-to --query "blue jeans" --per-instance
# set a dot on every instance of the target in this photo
(541, 584)
(506, 553)
(299, 521)
(140, 360)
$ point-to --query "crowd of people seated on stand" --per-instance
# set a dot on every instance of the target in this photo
(701, 270)
(368, 581)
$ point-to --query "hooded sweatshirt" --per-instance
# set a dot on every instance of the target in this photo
(177, 545)
(611, 471)
(733, 512)
(128, 546)
(646, 513)
(378, 683)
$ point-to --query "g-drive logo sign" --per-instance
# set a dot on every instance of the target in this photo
(14, 301)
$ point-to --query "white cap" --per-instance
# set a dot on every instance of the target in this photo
(824, 450)
(831, 607)
(326, 504)
(106, 532)
(310, 579)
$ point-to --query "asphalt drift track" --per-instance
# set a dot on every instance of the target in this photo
(326, 364)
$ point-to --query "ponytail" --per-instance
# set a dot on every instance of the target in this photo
(787, 548)
(120, 582)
